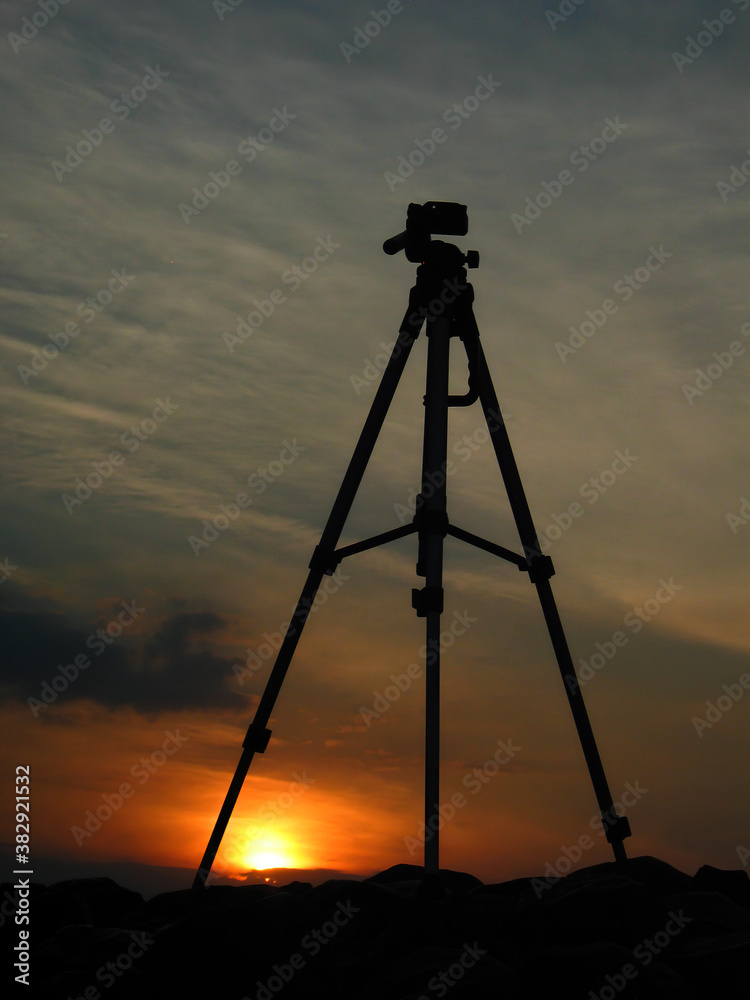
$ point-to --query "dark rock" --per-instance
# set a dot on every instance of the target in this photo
(167, 907)
(708, 913)
(514, 888)
(733, 883)
(387, 937)
(604, 969)
(414, 877)
(464, 971)
(297, 888)
(398, 873)
(717, 965)
(107, 901)
(610, 907)
(90, 956)
(657, 875)
(132, 985)
(54, 908)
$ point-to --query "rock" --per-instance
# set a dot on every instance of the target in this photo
(717, 965)
(414, 876)
(297, 888)
(610, 907)
(708, 912)
(107, 901)
(642, 929)
(54, 908)
(733, 883)
(398, 873)
(90, 955)
(664, 879)
(168, 907)
(514, 888)
(461, 972)
(603, 969)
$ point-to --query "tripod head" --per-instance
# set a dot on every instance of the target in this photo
(447, 217)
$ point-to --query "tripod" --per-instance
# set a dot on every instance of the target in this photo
(442, 300)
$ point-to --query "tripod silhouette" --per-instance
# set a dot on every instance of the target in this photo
(441, 300)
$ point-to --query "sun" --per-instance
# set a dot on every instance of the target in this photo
(262, 859)
(271, 852)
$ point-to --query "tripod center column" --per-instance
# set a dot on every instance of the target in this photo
(433, 521)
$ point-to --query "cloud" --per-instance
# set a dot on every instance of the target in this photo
(171, 666)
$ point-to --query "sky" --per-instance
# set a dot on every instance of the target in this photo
(196, 311)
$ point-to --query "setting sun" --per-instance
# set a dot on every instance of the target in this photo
(271, 852)
(269, 859)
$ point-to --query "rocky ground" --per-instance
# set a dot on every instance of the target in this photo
(644, 930)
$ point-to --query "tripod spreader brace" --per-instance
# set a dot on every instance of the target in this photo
(428, 522)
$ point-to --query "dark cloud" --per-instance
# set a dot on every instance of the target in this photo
(167, 666)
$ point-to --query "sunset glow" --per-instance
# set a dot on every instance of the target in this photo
(177, 431)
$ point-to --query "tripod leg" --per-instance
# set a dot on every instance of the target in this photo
(323, 561)
(257, 736)
(616, 827)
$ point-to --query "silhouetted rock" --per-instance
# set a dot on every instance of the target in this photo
(733, 884)
(57, 907)
(604, 969)
(107, 900)
(642, 930)
(398, 873)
